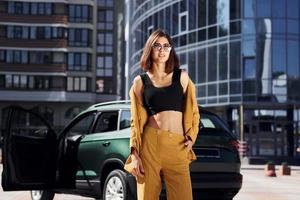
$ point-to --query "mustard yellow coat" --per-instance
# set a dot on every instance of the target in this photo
(139, 118)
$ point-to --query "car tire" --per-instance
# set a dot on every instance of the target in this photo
(42, 195)
(116, 186)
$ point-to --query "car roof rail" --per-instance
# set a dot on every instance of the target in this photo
(110, 103)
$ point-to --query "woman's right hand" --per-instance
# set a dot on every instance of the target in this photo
(138, 169)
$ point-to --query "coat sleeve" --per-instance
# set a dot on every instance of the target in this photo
(135, 134)
(134, 131)
(191, 97)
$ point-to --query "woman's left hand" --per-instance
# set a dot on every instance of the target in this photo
(188, 144)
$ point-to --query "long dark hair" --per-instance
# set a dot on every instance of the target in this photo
(146, 60)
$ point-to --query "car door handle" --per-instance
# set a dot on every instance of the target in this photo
(106, 144)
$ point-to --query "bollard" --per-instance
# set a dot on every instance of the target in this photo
(285, 169)
(270, 169)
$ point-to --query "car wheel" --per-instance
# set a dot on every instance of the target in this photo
(42, 195)
(115, 186)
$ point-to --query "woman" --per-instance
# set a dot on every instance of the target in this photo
(164, 123)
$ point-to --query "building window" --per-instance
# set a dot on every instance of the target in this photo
(79, 61)
(105, 42)
(263, 8)
(249, 8)
(105, 3)
(104, 66)
(27, 82)
(25, 32)
(80, 13)
(150, 30)
(23, 8)
(183, 22)
(104, 85)
(249, 68)
(77, 84)
(79, 37)
(100, 86)
(40, 57)
(16, 57)
(105, 19)
(2, 56)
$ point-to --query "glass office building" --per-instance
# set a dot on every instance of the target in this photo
(243, 56)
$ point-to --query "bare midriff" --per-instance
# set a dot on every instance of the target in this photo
(167, 120)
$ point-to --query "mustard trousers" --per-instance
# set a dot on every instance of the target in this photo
(164, 157)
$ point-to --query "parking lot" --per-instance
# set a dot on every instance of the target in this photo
(256, 186)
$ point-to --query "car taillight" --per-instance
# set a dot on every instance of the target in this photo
(235, 144)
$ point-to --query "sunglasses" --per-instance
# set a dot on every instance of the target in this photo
(165, 47)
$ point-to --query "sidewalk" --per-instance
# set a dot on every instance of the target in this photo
(261, 167)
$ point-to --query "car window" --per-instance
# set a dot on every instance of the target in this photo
(82, 127)
(210, 123)
(125, 119)
(107, 121)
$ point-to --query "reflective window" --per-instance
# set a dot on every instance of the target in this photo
(183, 5)
(278, 25)
(235, 9)
(278, 8)
(192, 65)
(212, 90)
(33, 32)
(235, 27)
(78, 61)
(201, 65)
(192, 15)
(263, 8)
(249, 68)
(223, 88)
(25, 8)
(235, 64)
(212, 12)
(223, 62)
(212, 32)
(293, 26)
(109, 16)
(201, 13)
(249, 48)
(249, 27)
(235, 87)
(293, 58)
(183, 22)
(249, 8)
(223, 16)
(293, 8)
(249, 87)
(278, 56)
(202, 35)
(212, 63)
(34, 8)
(77, 84)
(166, 19)
(174, 19)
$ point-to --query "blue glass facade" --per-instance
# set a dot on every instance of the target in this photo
(238, 52)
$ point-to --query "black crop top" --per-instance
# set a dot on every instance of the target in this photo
(157, 99)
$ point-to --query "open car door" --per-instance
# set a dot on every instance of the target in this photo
(30, 152)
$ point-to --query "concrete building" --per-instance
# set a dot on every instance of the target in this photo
(59, 56)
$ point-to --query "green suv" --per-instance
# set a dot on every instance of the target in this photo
(88, 156)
